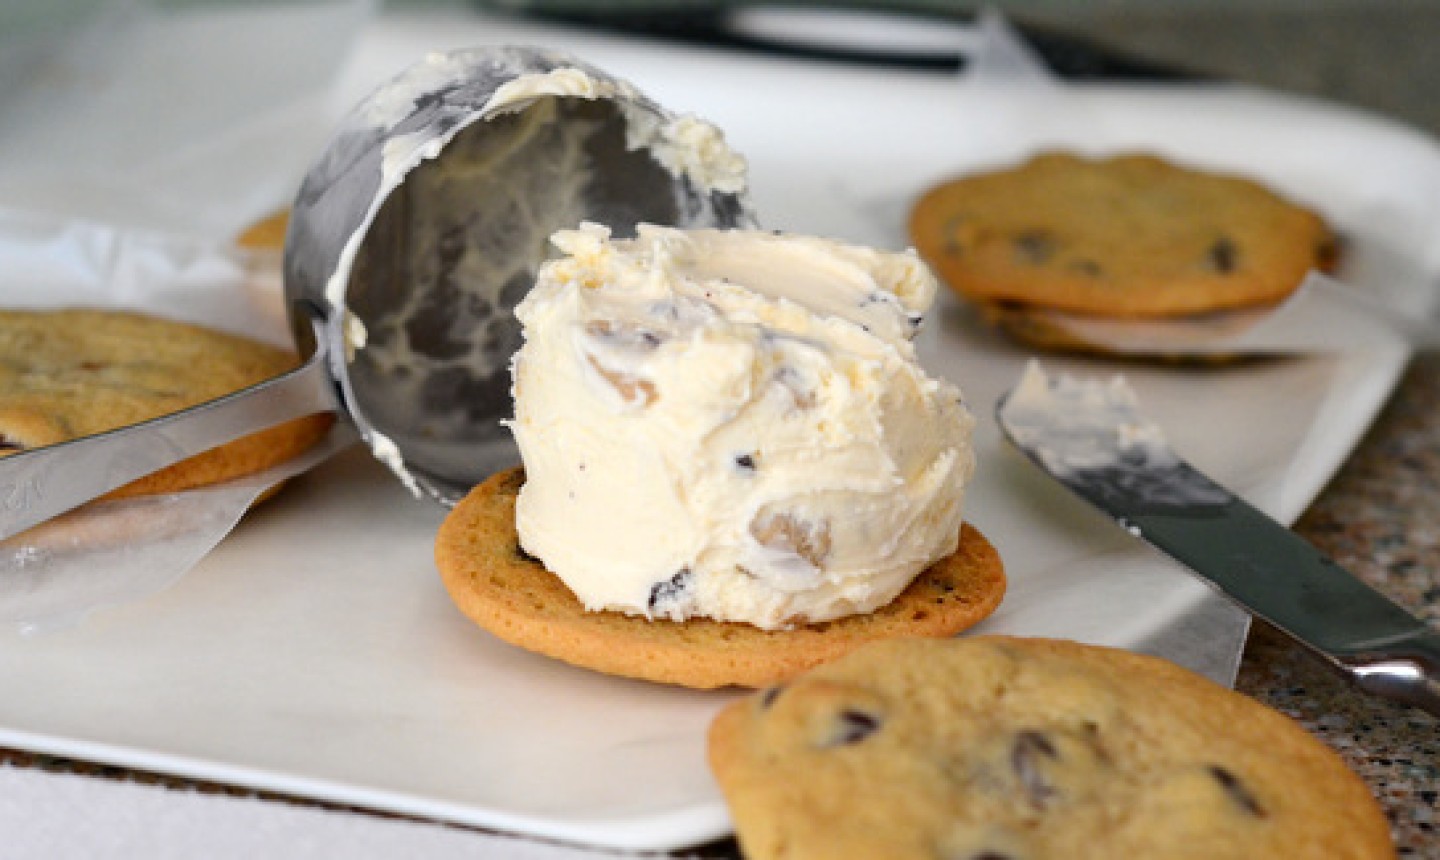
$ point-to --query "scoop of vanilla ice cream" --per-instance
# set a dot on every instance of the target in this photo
(734, 425)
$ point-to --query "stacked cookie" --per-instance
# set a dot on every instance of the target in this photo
(70, 373)
(1126, 237)
(497, 585)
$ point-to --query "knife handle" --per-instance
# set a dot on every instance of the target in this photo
(1408, 672)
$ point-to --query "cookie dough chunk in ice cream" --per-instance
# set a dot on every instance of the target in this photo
(733, 425)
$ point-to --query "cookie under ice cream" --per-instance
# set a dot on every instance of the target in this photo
(733, 425)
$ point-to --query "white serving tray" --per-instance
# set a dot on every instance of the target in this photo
(315, 653)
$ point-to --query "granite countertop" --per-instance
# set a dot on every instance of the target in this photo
(1379, 518)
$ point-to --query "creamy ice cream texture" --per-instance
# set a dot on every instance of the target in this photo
(733, 425)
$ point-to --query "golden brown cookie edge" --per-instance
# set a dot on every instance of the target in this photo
(698, 653)
(932, 212)
(238, 458)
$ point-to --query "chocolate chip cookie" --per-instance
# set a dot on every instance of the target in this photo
(1127, 236)
(513, 596)
(995, 748)
(70, 373)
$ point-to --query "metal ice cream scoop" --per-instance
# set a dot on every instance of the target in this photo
(410, 241)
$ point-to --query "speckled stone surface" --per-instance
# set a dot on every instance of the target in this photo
(1379, 518)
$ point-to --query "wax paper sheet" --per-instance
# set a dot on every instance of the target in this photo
(136, 141)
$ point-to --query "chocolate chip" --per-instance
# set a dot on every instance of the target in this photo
(1223, 256)
(1090, 734)
(669, 590)
(854, 727)
(1030, 750)
(768, 697)
(1034, 246)
(1237, 791)
(8, 444)
(745, 462)
(1089, 268)
(952, 245)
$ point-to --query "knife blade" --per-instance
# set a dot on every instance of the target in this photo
(1093, 438)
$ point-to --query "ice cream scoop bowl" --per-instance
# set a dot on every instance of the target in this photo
(410, 240)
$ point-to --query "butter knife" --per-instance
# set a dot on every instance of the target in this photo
(1092, 438)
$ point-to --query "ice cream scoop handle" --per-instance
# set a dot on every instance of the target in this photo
(38, 485)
